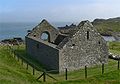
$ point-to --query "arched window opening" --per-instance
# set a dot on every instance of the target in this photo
(45, 36)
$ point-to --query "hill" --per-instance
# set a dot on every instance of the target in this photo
(107, 26)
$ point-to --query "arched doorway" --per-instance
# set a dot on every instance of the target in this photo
(45, 36)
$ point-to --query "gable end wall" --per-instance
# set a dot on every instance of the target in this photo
(80, 51)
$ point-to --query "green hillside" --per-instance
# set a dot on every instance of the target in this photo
(107, 26)
(12, 72)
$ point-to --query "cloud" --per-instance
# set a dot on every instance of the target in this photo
(86, 11)
(64, 10)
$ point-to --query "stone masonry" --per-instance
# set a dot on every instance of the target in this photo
(71, 47)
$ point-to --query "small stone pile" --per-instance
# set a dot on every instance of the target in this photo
(113, 56)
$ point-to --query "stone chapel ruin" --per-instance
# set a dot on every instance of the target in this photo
(71, 47)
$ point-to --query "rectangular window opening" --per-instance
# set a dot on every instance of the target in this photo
(87, 35)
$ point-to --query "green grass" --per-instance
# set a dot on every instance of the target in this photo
(12, 72)
(107, 27)
(114, 47)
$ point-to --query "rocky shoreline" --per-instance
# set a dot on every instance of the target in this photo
(14, 41)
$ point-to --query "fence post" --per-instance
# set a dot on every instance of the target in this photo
(10, 51)
(18, 58)
(85, 71)
(102, 68)
(65, 73)
(118, 64)
(44, 76)
(14, 54)
(18, 47)
(22, 61)
(33, 70)
(7, 47)
(27, 66)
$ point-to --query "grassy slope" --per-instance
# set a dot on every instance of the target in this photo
(111, 76)
(12, 72)
(114, 47)
(106, 27)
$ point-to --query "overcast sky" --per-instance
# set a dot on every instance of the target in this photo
(57, 10)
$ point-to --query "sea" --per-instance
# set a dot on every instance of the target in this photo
(19, 29)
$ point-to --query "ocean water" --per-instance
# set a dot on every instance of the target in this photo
(11, 30)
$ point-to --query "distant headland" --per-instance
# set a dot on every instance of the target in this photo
(107, 27)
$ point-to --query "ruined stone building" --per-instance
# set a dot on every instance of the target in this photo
(71, 47)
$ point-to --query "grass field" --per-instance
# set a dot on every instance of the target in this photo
(107, 27)
(12, 72)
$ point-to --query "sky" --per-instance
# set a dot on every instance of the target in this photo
(57, 10)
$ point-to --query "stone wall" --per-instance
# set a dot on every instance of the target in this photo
(45, 54)
(82, 49)
(44, 27)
